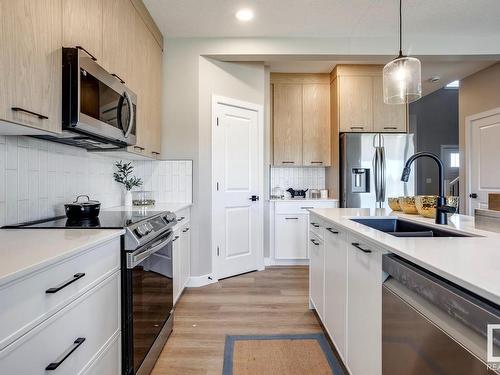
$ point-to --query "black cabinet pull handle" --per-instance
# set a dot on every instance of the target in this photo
(291, 218)
(175, 238)
(358, 246)
(56, 289)
(185, 230)
(287, 162)
(306, 208)
(19, 109)
(332, 231)
(315, 242)
(155, 153)
(54, 365)
(180, 218)
(139, 148)
(316, 162)
(87, 52)
(315, 225)
(357, 127)
(118, 77)
(390, 127)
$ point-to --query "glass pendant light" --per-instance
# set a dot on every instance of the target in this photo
(402, 77)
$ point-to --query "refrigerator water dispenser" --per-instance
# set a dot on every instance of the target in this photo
(360, 180)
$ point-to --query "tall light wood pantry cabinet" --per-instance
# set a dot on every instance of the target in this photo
(301, 119)
(30, 63)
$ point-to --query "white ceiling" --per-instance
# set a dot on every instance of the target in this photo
(326, 18)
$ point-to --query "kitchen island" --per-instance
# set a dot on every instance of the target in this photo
(346, 273)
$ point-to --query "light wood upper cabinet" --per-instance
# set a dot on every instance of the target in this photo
(146, 82)
(386, 117)
(287, 122)
(118, 38)
(30, 63)
(316, 124)
(82, 25)
(356, 104)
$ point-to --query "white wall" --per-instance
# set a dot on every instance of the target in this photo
(37, 177)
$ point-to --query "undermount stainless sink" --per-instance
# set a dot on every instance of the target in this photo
(403, 228)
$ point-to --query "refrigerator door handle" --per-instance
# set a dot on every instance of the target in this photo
(382, 174)
(377, 170)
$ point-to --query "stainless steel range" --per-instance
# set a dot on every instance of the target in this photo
(147, 279)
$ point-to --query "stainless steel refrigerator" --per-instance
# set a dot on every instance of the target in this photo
(371, 166)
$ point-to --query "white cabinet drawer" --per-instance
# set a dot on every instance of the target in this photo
(109, 360)
(95, 316)
(301, 207)
(25, 303)
(290, 238)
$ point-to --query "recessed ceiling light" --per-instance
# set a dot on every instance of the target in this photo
(244, 15)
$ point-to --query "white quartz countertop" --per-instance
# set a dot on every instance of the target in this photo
(169, 206)
(23, 251)
(471, 262)
(304, 200)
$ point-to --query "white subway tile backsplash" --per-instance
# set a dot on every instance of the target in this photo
(298, 178)
(37, 177)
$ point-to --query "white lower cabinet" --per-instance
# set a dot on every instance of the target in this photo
(317, 272)
(70, 340)
(181, 253)
(336, 287)
(364, 307)
(346, 278)
(290, 229)
(109, 360)
(291, 236)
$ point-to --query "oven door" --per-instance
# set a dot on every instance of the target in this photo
(149, 304)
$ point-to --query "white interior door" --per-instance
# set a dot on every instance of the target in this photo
(237, 157)
(483, 158)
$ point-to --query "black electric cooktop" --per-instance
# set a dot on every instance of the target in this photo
(105, 220)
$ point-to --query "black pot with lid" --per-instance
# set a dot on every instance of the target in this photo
(81, 209)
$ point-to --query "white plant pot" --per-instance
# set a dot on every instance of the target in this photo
(127, 198)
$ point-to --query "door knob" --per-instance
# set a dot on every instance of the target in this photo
(473, 195)
(254, 198)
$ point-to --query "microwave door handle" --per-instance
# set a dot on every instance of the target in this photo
(131, 114)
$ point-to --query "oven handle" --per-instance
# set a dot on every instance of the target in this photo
(133, 259)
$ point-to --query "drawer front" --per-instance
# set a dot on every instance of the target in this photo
(26, 303)
(290, 237)
(183, 216)
(298, 207)
(109, 361)
(94, 317)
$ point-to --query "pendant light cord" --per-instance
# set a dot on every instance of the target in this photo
(400, 29)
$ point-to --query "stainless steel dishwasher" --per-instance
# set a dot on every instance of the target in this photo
(431, 326)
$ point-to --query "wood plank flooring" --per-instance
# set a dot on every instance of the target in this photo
(274, 301)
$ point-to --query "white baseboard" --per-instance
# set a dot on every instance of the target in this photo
(197, 281)
(286, 262)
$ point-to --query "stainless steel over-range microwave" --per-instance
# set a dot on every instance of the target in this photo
(98, 109)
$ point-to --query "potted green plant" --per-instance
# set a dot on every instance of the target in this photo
(123, 175)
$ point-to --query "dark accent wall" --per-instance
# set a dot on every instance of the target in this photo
(434, 120)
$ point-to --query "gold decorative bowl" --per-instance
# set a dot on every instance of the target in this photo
(426, 204)
(394, 204)
(408, 205)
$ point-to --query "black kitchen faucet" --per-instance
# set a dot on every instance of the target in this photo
(441, 208)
